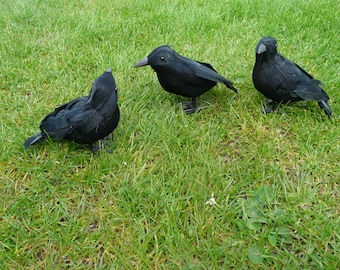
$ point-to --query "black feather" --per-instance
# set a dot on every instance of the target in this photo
(282, 80)
(83, 120)
(183, 76)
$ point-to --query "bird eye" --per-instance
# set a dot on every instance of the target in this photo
(162, 58)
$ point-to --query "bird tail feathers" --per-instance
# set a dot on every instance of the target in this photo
(34, 139)
(229, 84)
(325, 107)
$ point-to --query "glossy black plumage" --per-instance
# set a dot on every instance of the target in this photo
(282, 80)
(183, 76)
(83, 120)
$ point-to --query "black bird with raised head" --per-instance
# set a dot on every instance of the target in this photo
(283, 81)
(183, 76)
(83, 120)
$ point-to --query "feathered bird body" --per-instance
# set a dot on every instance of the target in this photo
(83, 120)
(282, 80)
(181, 75)
(183, 85)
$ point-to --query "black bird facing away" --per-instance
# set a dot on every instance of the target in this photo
(183, 76)
(83, 120)
(283, 81)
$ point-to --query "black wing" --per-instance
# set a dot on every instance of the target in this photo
(77, 114)
(292, 78)
(206, 71)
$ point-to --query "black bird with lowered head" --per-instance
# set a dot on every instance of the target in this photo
(83, 120)
(183, 76)
(283, 81)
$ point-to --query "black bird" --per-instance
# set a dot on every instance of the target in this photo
(83, 120)
(283, 81)
(183, 76)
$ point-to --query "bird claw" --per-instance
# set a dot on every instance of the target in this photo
(189, 107)
(94, 149)
(270, 102)
(189, 110)
(101, 144)
(267, 110)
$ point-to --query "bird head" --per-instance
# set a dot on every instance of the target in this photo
(103, 90)
(160, 56)
(267, 44)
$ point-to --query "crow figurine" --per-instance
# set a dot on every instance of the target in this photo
(283, 81)
(183, 76)
(83, 120)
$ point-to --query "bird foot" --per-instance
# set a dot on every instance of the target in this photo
(101, 144)
(190, 108)
(97, 149)
(272, 109)
(270, 102)
(94, 148)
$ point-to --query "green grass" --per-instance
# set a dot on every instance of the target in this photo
(275, 178)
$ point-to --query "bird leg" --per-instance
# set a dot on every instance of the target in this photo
(101, 144)
(270, 101)
(273, 107)
(191, 106)
(104, 143)
(93, 148)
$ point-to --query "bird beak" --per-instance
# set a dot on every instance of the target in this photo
(261, 49)
(109, 70)
(142, 62)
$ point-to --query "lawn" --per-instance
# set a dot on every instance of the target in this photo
(225, 188)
